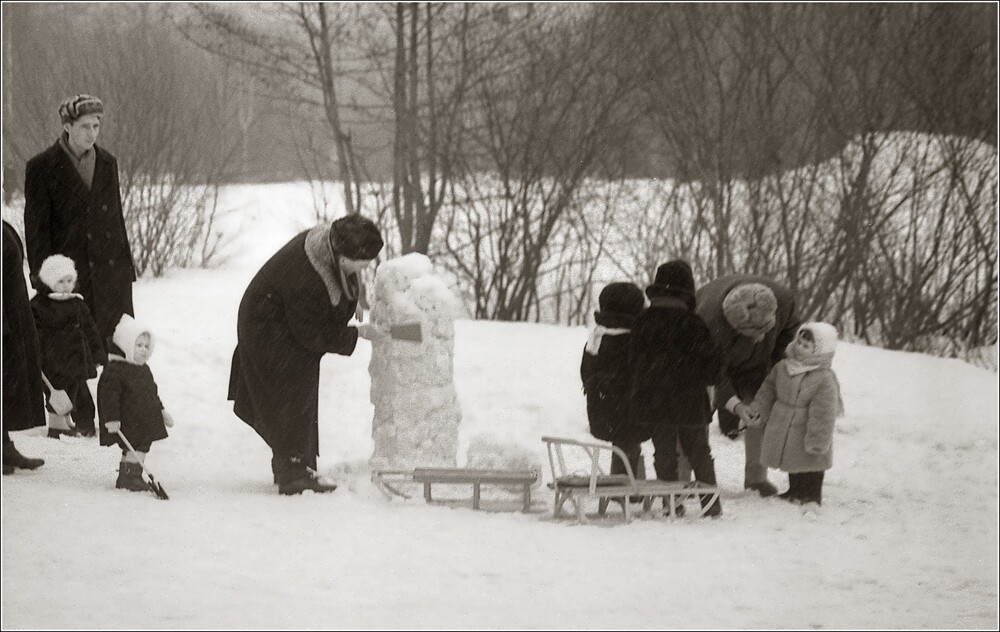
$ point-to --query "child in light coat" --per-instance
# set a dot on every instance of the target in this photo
(797, 406)
(128, 401)
(70, 345)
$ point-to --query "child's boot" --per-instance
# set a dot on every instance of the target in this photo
(130, 477)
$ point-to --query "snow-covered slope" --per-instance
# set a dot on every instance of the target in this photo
(907, 537)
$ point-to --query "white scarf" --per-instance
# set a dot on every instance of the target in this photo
(817, 361)
(64, 296)
(594, 343)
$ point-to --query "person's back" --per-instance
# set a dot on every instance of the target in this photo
(606, 373)
(674, 361)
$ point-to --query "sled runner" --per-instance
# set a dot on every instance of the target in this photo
(457, 476)
(576, 486)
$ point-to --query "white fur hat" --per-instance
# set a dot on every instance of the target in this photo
(127, 332)
(824, 337)
(56, 267)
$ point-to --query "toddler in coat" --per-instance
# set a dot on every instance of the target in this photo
(606, 374)
(127, 401)
(797, 406)
(70, 345)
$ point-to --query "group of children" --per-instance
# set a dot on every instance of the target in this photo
(71, 349)
(648, 371)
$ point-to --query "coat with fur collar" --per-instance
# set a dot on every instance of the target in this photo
(292, 314)
(798, 413)
(71, 347)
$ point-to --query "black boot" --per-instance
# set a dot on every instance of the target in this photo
(296, 478)
(764, 488)
(130, 477)
(14, 459)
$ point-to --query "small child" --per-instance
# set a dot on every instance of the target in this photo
(797, 406)
(127, 400)
(70, 345)
(606, 375)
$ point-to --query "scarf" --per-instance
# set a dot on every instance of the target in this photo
(594, 343)
(64, 296)
(324, 260)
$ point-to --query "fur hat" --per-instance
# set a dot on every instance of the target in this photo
(56, 267)
(621, 298)
(751, 309)
(80, 105)
(355, 237)
(673, 278)
(126, 333)
(824, 337)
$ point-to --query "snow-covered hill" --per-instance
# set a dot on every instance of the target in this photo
(907, 537)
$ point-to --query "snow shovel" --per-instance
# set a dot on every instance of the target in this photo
(58, 399)
(411, 332)
(154, 487)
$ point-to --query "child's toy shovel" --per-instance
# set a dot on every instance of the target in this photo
(154, 487)
(411, 332)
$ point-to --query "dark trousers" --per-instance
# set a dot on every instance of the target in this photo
(634, 453)
(693, 441)
(83, 405)
(806, 486)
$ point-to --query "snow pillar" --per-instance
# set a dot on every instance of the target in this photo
(412, 383)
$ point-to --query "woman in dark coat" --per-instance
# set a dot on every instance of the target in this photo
(674, 361)
(23, 398)
(73, 206)
(295, 311)
(752, 320)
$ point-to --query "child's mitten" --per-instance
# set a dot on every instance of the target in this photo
(168, 421)
(113, 426)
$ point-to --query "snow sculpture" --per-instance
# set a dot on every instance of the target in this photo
(412, 383)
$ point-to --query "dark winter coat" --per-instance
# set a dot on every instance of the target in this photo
(289, 318)
(674, 361)
(606, 377)
(746, 363)
(71, 346)
(63, 216)
(23, 395)
(127, 393)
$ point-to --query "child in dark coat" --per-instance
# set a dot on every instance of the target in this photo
(674, 362)
(127, 401)
(70, 345)
(606, 375)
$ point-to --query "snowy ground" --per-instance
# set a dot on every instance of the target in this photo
(907, 537)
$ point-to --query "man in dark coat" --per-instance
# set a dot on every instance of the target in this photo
(295, 311)
(73, 206)
(23, 399)
(674, 361)
(752, 320)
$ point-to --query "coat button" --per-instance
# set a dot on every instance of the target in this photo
(104, 207)
(89, 236)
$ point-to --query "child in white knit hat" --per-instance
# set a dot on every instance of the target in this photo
(797, 406)
(70, 346)
(128, 401)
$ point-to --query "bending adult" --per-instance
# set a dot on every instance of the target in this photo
(752, 320)
(73, 207)
(295, 311)
(23, 401)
